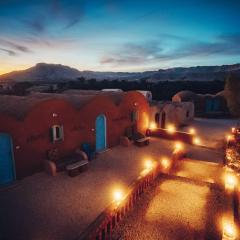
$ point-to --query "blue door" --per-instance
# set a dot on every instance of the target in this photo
(209, 105)
(216, 105)
(7, 169)
(100, 133)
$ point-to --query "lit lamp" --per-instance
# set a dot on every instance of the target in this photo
(192, 131)
(118, 196)
(196, 141)
(230, 181)
(178, 146)
(229, 231)
(153, 126)
(148, 164)
(229, 137)
(165, 162)
(171, 129)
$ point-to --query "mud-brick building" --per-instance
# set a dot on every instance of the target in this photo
(32, 125)
(176, 113)
(205, 104)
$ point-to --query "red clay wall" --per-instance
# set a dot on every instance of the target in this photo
(31, 136)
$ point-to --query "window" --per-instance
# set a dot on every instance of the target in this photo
(187, 114)
(134, 115)
(57, 133)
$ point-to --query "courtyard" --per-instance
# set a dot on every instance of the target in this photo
(45, 207)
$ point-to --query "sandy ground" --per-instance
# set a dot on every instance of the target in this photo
(175, 209)
(212, 131)
(200, 171)
(43, 207)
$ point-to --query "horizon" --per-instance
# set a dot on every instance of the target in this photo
(119, 36)
(89, 70)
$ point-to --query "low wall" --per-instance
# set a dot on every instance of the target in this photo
(177, 135)
(101, 228)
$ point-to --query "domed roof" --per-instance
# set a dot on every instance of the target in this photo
(221, 93)
(185, 96)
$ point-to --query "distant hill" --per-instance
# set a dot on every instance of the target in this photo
(58, 72)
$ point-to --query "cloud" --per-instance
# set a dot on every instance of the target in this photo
(9, 52)
(12, 48)
(60, 14)
(131, 53)
(15, 46)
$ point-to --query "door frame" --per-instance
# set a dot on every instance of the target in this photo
(105, 131)
(12, 156)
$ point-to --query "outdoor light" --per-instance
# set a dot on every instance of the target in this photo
(178, 146)
(229, 231)
(165, 162)
(229, 137)
(230, 181)
(192, 131)
(118, 196)
(153, 126)
(171, 129)
(196, 141)
(148, 164)
(233, 130)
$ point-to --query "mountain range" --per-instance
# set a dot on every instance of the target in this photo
(57, 72)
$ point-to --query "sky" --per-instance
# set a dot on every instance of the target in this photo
(119, 35)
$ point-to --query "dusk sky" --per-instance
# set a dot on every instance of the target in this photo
(121, 35)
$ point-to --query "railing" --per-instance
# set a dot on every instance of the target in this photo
(101, 228)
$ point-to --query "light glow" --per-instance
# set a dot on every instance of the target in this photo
(118, 196)
(229, 137)
(196, 141)
(229, 231)
(233, 129)
(153, 126)
(178, 146)
(192, 131)
(171, 129)
(148, 164)
(230, 181)
(165, 162)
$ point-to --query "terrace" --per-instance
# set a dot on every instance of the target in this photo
(44, 207)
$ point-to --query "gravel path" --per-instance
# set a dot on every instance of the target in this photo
(174, 208)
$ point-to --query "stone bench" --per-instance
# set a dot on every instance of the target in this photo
(75, 169)
(142, 141)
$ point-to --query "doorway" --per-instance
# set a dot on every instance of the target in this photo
(7, 166)
(101, 142)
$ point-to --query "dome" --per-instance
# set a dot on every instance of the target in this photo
(184, 96)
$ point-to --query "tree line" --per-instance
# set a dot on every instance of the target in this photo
(162, 90)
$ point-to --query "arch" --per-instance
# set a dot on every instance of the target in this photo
(101, 142)
(7, 165)
(157, 119)
(163, 120)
